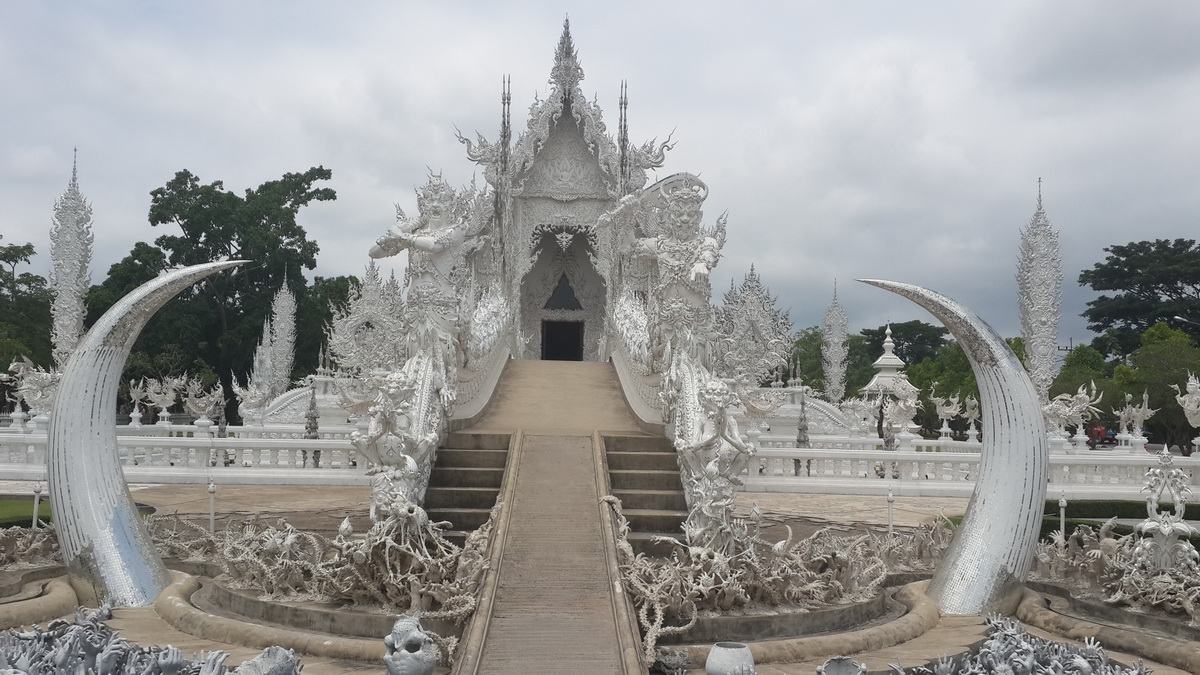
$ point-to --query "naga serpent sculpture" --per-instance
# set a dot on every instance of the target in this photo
(108, 552)
(992, 551)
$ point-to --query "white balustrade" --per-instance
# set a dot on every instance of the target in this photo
(853, 467)
(202, 453)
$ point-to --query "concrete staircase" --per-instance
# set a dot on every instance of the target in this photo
(466, 480)
(644, 474)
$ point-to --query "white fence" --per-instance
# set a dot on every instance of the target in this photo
(941, 472)
(180, 453)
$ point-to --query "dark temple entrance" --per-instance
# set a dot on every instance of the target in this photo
(562, 340)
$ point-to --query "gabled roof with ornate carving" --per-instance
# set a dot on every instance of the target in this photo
(620, 167)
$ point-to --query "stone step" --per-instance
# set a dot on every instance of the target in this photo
(469, 441)
(469, 457)
(466, 477)
(461, 497)
(655, 520)
(638, 444)
(668, 500)
(636, 479)
(465, 519)
(656, 461)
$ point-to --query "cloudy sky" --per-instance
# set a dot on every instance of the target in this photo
(852, 139)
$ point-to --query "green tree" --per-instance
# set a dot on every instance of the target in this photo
(806, 357)
(314, 311)
(212, 329)
(24, 308)
(915, 340)
(859, 358)
(1164, 359)
(1152, 281)
(24, 313)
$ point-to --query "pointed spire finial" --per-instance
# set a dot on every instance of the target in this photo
(1039, 205)
(75, 166)
(566, 73)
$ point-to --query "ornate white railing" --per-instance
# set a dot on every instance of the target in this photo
(199, 451)
(473, 393)
(773, 441)
(865, 471)
(643, 397)
(285, 431)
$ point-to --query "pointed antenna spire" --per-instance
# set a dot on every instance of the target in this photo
(566, 73)
(623, 135)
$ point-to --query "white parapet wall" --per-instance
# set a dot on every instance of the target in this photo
(188, 454)
(939, 469)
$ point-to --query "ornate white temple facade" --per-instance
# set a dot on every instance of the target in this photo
(549, 192)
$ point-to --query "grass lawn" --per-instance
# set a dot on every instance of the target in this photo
(19, 512)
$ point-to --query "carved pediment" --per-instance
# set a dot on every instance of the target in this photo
(564, 169)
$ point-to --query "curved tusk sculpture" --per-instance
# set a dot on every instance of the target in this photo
(107, 549)
(992, 551)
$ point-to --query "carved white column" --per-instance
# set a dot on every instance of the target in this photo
(70, 255)
(1039, 290)
(834, 349)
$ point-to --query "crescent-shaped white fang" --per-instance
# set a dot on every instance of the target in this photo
(992, 551)
(106, 547)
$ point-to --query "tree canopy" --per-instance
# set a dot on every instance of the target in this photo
(915, 340)
(212, 329)
(24, 308)
(1151, 281)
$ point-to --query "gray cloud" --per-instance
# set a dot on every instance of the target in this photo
(900, 143)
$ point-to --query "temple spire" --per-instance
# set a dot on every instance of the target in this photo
(623, 136)
(567, 73)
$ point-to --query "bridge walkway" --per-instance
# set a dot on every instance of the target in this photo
(553, 601)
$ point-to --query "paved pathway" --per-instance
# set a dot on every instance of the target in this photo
(570, 397)
(553, 608)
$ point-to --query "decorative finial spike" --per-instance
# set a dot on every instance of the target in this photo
(566, 73)
(1039, 204)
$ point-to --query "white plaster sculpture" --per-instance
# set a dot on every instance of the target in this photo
(70, 255)
(283, 340)
(163, 393)
(410, 650)
(270, 377)
(1039, 292)
(971, 415)
(670, 593)
(35, 385)
(22, 547)
(412, 404)
(109, 555)
(1073, 410)
(753, 340)
(993, 548)
(138, 394)
(947, 407)
(1190, 402)
(1138, 417)
(834, 350)
(1009, 649)
(87, 645)
(368, 333)
(1155, 569)
(403, 563)
(203, 404)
